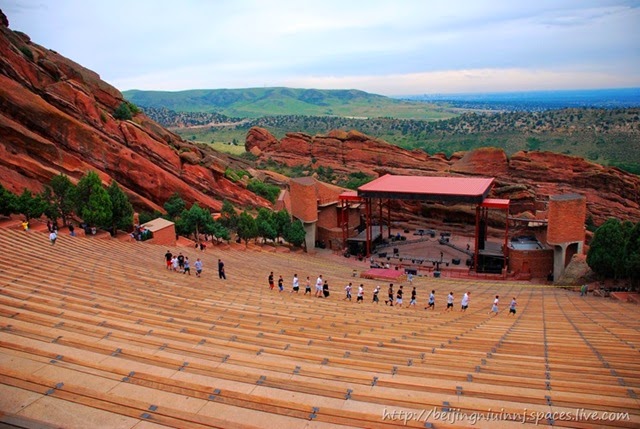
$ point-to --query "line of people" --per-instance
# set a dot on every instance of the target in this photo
(464, 303)
(180, 264)
(322, 291)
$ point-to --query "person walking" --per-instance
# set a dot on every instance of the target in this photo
(295, 284)
(432, 301)
(347, 290)
(307, 286)
(376, 291)
(53, 236)
(360, 297)
(399, 296)
(413, 297)
(325, 289)
(168, 257)
(181, 262)
(319, 286)
(494, 307)
(390, 293)
(187, 266)
(465, 301)
(198, 267)
(512, 306)
(221, 272)
(280, 284)
(449, 302)
(271, 284)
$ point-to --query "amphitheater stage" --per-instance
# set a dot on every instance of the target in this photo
(383, 274)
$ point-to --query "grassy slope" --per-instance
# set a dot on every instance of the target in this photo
(258, 102)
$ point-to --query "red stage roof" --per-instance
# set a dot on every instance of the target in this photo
(350, 196)
(426, 188)
(494, 203)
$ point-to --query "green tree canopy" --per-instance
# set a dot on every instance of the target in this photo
(123, 112)
(247, 228)
(217, 230)
(92, 201)
(282, 221)
(122, 210)
(31, 206)
(59, 195)
(265, 221)
(8, 202)
(174, 206)
(228, 215)
(265, 190)
(632, 255)
(195, 220)
(295, 233)
(606, 251)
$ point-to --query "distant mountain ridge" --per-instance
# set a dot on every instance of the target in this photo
(535, 101)
(258, 102)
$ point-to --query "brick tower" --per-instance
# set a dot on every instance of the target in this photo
(566, 229)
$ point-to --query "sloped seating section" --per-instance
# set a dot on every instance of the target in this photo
(98, 330)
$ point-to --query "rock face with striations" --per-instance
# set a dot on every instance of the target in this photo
(58, 117)
(525, 178)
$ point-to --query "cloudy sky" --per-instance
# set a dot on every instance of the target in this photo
(389, 47)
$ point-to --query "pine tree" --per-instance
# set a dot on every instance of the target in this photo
(31, 206)
(247, 228)
(122, 210)
(59, 195)
(8, 202)
(92, 201)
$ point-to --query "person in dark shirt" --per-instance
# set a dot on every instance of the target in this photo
(271, 284)
(221, 272)
(168, 256)
(181, 263)
(399, 296)
(390, 300)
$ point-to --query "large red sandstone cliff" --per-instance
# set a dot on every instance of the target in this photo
(526, 178)
(57, 117)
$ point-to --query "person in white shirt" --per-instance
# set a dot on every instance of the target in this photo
(347, 289)
(432, 301)
(449, 302)
(494, 307)
(319, 283)
(465, 301)
(296, 284)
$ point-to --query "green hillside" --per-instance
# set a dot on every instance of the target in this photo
(259, 102)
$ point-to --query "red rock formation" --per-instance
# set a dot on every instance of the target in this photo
(525, 178)
(57, 117)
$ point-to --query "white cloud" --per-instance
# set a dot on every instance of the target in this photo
(470, 81)
(385, 46)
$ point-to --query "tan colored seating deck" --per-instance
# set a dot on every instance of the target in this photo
(102, 325)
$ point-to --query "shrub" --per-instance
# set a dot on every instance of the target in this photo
(235, 175)
(27, 52)
(123, 112)
(248, 156)
(269, 192)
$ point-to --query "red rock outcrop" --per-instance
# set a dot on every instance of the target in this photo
(57, 117)
(525, 178)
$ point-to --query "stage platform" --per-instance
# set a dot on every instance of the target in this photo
(383, 274)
